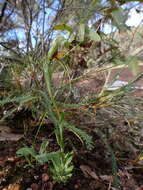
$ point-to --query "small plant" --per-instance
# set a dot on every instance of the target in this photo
(61, 168)
(66, 54)
(60, 165)
(28, 153)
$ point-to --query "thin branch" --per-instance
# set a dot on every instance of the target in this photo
(43, 26)
(8, 48)
(3, 10)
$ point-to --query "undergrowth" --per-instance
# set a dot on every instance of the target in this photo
(30, 86)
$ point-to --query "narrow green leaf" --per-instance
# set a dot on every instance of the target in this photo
(22, 99)
(62, 27)
(68, 159)
(43, 147)
(81, 32)
(94, 2)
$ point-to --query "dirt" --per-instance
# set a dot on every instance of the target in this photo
(126, 74)
(13, 171)
(94, 81)
(93, 170)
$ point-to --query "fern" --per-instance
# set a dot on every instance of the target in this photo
(21, 99)
(82, 135)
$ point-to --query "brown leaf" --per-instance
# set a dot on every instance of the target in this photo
(34, 186)
(13, 187)
(45, 177)
(12, 159)
(6, 134)
(88, 172)
(106, 177)
(140, 188)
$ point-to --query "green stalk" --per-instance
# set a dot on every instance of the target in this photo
(59, 125)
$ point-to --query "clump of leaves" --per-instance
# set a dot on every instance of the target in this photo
(60, 165)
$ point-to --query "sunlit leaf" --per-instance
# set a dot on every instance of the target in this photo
(141, 158)
(94, 36)
(133, 65)
(135, 68)
(62, 27)
(81, 32)
(54, 46)
(59, 55)
(71, 38)
(119, 19)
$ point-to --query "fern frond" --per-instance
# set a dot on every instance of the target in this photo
(82, 135)
(21, 99)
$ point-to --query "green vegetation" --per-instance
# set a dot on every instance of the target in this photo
(30, 83)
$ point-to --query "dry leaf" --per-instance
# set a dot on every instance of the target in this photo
(88, 172)
(45, 177)
(106, 177)
(140, 188)
(13, 187)
(6, 134)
